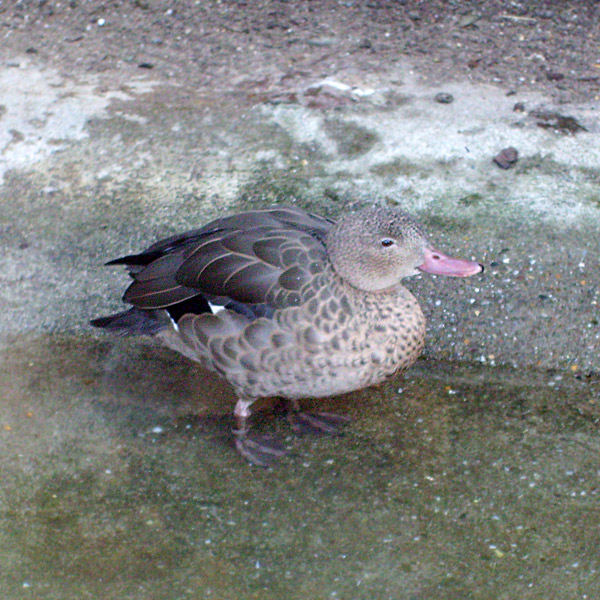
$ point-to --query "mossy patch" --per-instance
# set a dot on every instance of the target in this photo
(470, 199)
(396, 168)
(351, 140)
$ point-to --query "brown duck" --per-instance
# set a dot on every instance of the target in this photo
(303, 306)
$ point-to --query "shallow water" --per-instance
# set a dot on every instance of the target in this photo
(119, 481)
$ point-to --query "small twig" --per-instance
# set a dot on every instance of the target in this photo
(517, 18)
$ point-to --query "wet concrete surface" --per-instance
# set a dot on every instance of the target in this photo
(119, 480)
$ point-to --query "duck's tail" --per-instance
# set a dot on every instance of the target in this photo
(135, 322)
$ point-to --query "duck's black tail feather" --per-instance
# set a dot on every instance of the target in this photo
(134, 322)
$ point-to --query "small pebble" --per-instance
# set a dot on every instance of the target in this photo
(444, 98)
(506, 158)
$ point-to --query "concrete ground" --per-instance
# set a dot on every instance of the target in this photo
(476, 477)
(89, 174)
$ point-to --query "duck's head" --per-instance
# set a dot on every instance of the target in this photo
(373, 249)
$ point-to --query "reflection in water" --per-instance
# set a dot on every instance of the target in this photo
(119, 481)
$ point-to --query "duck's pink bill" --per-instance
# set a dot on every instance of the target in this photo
(440, 264)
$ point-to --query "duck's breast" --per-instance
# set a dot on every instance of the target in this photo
(337, 342)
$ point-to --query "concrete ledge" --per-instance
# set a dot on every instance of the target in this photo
(90, 173)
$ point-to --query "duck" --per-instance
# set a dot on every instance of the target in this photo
(285, 303)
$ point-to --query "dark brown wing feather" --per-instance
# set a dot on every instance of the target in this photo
(156, 284)
(260, 257)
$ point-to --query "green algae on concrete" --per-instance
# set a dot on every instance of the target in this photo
(158, 159)
(119, 481)
(352, 140)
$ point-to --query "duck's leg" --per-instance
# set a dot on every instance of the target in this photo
(319, 422)
(261, 451)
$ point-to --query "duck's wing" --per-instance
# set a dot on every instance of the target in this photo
(265, 258)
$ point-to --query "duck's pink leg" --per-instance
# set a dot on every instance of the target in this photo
(242, 413)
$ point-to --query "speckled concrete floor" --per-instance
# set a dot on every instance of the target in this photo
(119, 480)
(479, 479)
(90, 174)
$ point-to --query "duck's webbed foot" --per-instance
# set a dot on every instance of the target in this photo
(317, 423)
(260, 450)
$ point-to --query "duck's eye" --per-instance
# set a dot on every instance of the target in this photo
(387, 242)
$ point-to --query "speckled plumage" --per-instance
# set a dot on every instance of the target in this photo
(311, 307)
(340, 340)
